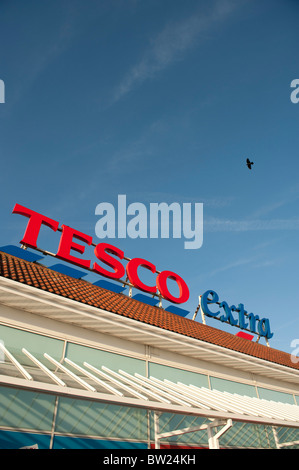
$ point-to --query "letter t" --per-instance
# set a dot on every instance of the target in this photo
(36, 220)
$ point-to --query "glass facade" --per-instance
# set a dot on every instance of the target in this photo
(233, 387)
(28, 418)
(276, 396)
(22, 409)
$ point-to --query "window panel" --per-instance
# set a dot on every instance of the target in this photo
(99, 419)
(177, 375)
(14, 340)
(98, 358)
(232, 387)
(23, 409)
(276, 396)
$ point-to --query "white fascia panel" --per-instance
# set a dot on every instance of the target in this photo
(69, 311)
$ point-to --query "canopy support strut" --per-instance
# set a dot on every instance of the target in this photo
(213, 439)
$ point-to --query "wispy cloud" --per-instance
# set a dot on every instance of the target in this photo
(214, 224)
(289, 196)
(170, 44)
(69, 25)
(262, 218)
(41, 57)
(253, 262)
(235, 264)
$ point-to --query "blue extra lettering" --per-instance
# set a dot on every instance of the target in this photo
(242, 313)
(264, 328)
(205, 301)
(228, 317)
(254, 323)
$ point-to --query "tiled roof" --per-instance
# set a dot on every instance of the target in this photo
(41, 277)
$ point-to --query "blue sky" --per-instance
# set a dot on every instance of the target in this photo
(162, 101)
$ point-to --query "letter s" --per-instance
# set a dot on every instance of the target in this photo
(294, 97)
(102, 251)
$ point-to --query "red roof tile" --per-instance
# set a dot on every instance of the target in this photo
(41, 277)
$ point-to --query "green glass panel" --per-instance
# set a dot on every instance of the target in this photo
(87, 418)
(170, 422)
(288, 435)
(98, 358)
(247, 435)
(232, 387)
(276, 396)
(15, 339)
(23, 409)
(177, 375)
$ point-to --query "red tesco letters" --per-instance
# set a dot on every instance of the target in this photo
(67, 244)
(35, 222)
(103, 252)
(131, 268)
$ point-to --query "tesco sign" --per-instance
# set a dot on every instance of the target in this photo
(105, 253)
(109, 256)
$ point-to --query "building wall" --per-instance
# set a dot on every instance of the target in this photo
(54, 422)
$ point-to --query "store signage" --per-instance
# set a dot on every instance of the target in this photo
(103, 252)
(235, 316)
(110, 256)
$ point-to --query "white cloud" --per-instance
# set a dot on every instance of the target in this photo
(170, 44)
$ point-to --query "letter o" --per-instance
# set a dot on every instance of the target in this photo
(163, 289)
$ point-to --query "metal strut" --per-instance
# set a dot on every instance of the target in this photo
(213, 439)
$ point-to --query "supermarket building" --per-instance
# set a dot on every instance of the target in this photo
(91, 366)
(85, 367)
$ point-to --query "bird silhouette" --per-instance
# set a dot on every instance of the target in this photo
(249, 163)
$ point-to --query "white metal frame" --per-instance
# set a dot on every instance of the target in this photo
(213, 439)
(15, 362)
(43, 368)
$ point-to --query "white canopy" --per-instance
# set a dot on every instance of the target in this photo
(100, 383)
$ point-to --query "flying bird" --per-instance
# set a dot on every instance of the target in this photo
(249, 163)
